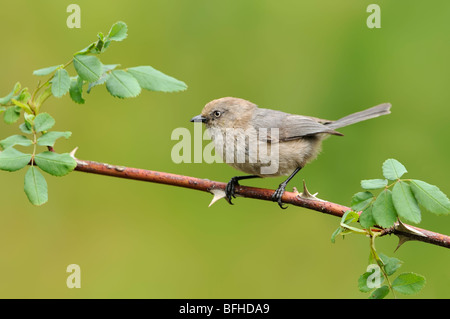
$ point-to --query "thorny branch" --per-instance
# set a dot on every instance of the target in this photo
(403, 231)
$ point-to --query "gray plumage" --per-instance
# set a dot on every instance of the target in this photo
(284, 151)
(293, 126)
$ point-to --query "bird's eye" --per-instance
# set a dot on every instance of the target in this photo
(217, 113)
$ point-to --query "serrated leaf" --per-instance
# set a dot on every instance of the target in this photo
(46, 71)
(103, 77)
(54, 163)
(379, 293)
(15, 140)
(49, 138)
(60, 83)
(391, 264)
(43, 122)
(393, 169)
(361, 200)
(154, 80)
(430, 197)
(408, 283)
(12, 160)
(373, 183)
(88, 67)
(366, 218)
(6, 99)
(123, 85)
(405, 203)
(35, 186)
(76, 90)
(383, 210)
(118, 31)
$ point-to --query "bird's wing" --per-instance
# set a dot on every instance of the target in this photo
(290, 127)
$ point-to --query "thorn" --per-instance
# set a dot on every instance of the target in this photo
(73, 152)
(401, 240)
(218, 194)
(306, 194)
(407, 229)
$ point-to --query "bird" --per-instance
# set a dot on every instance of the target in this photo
(296, 140)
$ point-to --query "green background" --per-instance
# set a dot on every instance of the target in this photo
(143, 240)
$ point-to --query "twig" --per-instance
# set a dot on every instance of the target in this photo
(403, 231)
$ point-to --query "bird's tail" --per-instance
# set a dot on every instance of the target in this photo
(375, 111)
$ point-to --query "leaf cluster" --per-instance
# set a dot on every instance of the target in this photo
(89, 73)
(37, 133)
(400, 199)
(406, 283)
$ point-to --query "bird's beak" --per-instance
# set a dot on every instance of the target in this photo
(198, 118)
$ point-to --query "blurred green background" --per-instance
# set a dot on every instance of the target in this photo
(143, 240)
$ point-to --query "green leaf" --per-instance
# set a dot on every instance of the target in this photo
(54, 163)
(374, 183)
(405, 203)
(154, 80)
(391, 264)
(335, 234)
(11, 115)
(23, 106)
(430, 197)
(123, 85)
(43, 96)
(379, 293)
(15, 140)
(76, 90)
(393, 169)
(408, 283)
(118, 31)
(12, 160)
(362, 282)
(35, 186)
(87, 49)
(348, 218)
(60, 83)
(25, 128)
(383, 210)
(103, 77)
(49, 138)
(7, 98)
(46, 71)
(43, 122)
(361, 200)
(366, 218)
(88, 67)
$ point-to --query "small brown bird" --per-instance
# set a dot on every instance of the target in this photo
(289, 141)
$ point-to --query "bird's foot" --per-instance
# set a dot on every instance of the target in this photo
(276, 197)
(229, 189)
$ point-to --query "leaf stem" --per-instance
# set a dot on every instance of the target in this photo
(378, 260)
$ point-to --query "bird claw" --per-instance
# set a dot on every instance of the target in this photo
(276, 197)
(229, 189)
